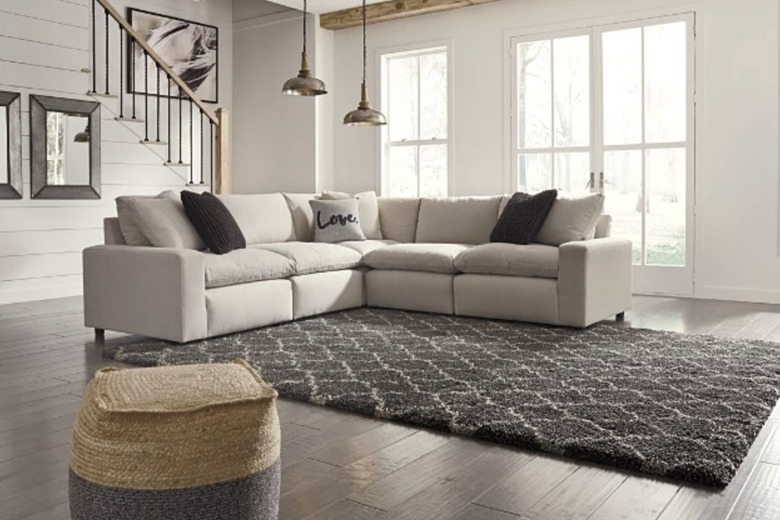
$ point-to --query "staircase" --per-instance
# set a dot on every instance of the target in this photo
(176, 128)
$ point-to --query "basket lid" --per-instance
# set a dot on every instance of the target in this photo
(182, 388)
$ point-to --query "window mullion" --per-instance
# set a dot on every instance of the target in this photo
(419, 121)
(552, 114)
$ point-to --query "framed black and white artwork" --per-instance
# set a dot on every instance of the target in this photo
(189, 48)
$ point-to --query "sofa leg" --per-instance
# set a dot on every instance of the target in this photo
(100, 333)
(620, 317)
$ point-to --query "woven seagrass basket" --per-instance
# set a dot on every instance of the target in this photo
(197, 442)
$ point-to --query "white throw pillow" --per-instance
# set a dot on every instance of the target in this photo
(369, 211)
(336, 220)
(165, 224)
(130, 231)
(571, 220)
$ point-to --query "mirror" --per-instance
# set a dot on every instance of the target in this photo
(10, 146)
(65, 148)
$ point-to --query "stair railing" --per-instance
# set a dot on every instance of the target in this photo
(187, 101)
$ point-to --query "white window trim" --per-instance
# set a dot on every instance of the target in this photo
(381, 73)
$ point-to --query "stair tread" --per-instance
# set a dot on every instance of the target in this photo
(102, 94)
(176, 164)
(150, 141)
(129, 119)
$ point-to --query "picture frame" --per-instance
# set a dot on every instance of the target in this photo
(189, 48)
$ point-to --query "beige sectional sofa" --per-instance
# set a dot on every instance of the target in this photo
(429, 255)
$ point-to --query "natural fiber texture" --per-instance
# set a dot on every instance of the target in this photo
(255, 497)
(174, 428)
(683, 406)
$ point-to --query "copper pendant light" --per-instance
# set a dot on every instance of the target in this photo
(364, 115)
(304, 84)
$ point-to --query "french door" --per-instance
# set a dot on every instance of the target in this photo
(611, 109)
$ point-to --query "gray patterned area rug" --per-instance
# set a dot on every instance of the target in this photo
(682, 406)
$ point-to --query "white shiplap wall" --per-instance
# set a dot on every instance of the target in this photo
(44, 47)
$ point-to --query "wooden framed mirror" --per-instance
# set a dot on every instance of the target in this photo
(10, 145)
(65, 145)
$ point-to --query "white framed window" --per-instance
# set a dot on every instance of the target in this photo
(415, 143)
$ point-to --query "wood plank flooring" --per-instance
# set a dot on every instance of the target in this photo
(339, 466)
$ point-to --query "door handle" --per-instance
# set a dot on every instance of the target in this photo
(601, 182)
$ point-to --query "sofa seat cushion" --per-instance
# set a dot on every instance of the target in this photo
(533, 260)
(431, 258)
(366, 246)
(244, 266)
(315, 257)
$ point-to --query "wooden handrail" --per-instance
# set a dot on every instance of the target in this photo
(156, 58)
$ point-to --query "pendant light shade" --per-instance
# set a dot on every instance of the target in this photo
(82, 137)
(364, 115)
(304, 84)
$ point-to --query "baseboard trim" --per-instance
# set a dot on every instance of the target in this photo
(41, 293)
(714, 292)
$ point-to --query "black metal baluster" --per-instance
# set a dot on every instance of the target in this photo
(132, 76)
(202, 152)
(180, 128)
(121, 72)
(170, 139)
(94, 49)
(211, 154)
(146, 97)
(192, 144)
(108, 64)
(157, 68)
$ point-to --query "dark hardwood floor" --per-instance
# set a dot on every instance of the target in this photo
(339, 466)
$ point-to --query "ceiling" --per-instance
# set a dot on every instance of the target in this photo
(325, 6)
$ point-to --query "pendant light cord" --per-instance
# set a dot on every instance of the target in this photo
(305, 10)
(365, 43)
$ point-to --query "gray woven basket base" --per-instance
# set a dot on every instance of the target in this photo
(255, 497)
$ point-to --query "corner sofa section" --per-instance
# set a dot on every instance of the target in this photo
(434, 256)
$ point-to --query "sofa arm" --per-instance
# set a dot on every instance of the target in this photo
(594, 280)
(155, 292)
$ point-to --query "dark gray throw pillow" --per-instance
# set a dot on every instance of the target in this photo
(213, 222)
(336, 220)
(523, 217)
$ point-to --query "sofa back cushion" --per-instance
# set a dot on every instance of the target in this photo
(572, 220)
(604, 227)
(164, 223)
(464, 220)
(130, 231)
(263, 219)
(302, 216)
(398, 218)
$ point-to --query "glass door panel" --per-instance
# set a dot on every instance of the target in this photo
(534, 172)
(571, 91)
(624, 196)
(666, 207)
(534, 94)
(553, 126)
(666, 81)
(622, 84)
(572, 172)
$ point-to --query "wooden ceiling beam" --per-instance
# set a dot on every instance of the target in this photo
(391, 10)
